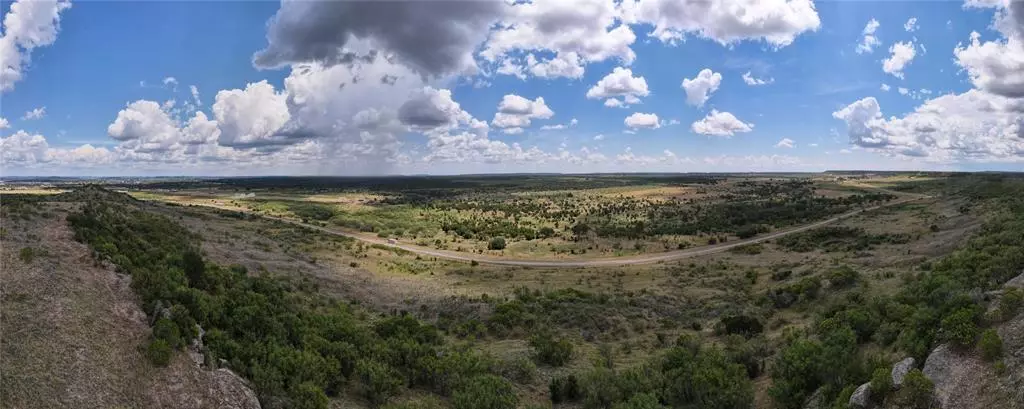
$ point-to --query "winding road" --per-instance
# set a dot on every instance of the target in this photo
(595, 262)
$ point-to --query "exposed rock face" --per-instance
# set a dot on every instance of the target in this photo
(817, 400)
(861, 397)
(964, 381)
(234, 392)
(1016, 282)
(900, 370)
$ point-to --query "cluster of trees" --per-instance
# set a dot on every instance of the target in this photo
(686, 375)
(838, 238)
(746, 217)
(296, 346)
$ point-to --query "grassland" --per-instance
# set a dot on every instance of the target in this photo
(733, 328)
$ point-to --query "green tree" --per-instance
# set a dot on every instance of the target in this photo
(960, 327)
(308, 395)
(881, 383)
(915, 392)
(550, 350)
(378, 382)
(194, 266)
(640, 401)
(497, 243)
(485, 392)
(990, 345)
(159, 352)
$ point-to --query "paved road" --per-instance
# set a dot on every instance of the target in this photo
(596, 262)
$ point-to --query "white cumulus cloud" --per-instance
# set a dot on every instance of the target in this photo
(29, 24)
(642, 120)
(720, 124)
(700, 88)
(869, 41)
(901, 54)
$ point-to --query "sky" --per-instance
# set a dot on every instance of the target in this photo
(108, 88)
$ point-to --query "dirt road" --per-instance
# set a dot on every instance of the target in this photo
(596, 262)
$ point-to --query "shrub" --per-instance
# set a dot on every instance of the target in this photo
(308, 395)
(881, 384)
(520, 370)
(167, 330)
(159, 352)
(564, 389)
(27, 255)
(192, 263)
(842, 277)
(428, 402)
(742, 325)
(497, 243)
(960, 327)
(640, 401)
(378, 382)
(551, 351)
(546, 232)
(915, 392)
(485, 392)
(990, 345)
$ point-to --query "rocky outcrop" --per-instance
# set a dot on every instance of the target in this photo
(817, 400)
(899, 371)
(234, 391)
(1016, 282)
(964, 381)
(861, 397)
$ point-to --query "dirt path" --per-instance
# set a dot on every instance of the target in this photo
(597, 262)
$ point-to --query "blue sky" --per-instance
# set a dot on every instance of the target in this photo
(110, 84)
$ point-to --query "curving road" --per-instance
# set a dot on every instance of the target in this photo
(595, 262)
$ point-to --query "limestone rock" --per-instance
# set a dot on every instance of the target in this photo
(817, 400)
(861, 397)
(235, 392)
(900, 370)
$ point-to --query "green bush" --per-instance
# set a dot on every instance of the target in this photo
(990, 345)
(308, 395)
(485, 392)
(960, 327)
(842, 277)
(915, 392)
(159, 352)
(550, 350)
(564, 389)
(881, 384)
(168, 331)
(640, 401)
(520, 370)
(378, 382)
(497, 243)
(742, 325)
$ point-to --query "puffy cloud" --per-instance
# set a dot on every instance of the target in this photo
(886, 87)
(752, 81)
(432, 108)
(784, 143)
(700, 88)
(599, 137)
(171, 82)
(435, 38)
(566, 65)
(777, 22)
(574, 32)
(619, 83)
(4, 124)
(28, 24)
(720, 124)
(515, 111)
(23, 148)
(994, 66)
(146, 126)
(901, 54)
(37, 113)
(974, 126)
(869, 41)
(642, 120)
(911, 25)
(251, 117)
